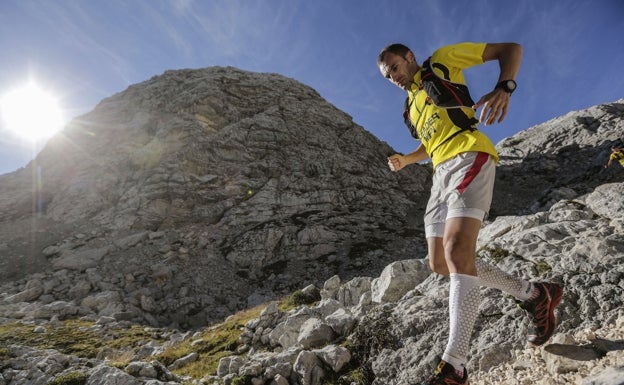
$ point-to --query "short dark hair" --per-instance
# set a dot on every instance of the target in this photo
(396, 48)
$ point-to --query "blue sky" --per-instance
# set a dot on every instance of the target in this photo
(86, 50)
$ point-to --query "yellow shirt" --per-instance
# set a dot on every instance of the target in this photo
(618, 155)
(434, 124)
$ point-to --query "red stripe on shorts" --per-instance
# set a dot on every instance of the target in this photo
(472, 173)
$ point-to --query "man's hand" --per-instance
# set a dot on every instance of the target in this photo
(495, 106)
(396, 162)
(496, 103)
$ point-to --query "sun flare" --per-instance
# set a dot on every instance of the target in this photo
(30, 112)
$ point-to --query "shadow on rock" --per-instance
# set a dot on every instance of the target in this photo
(589, 352)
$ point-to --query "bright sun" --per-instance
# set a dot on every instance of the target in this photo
(30, 112)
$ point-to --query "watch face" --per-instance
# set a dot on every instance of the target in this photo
(511, 85)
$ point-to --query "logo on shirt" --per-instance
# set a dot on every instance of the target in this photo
(428, 128)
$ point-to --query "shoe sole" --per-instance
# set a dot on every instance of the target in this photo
(553, 302)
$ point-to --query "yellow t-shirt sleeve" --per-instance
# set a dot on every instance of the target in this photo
(462, 55)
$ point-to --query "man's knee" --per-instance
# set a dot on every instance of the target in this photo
(454, 248)
(459, 254)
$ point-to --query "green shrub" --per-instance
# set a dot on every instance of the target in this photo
(241, 380)
(71, 378)
(5, 354)
(300, 298)
(542, 268)
(496, 253)
(355, 377)
(370, 337)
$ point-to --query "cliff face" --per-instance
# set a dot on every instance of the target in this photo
(201, 192)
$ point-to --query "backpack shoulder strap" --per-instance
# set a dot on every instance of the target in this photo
(443, 92)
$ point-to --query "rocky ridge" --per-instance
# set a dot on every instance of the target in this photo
(565, 223)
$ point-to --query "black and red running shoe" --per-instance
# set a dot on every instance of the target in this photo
(542, 311)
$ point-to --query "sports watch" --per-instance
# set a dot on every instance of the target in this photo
(508, 86)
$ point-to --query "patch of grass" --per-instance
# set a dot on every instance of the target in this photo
(85, 339)
(241, 380)
(71, 378)
(496, 253)
(75, 337)
(5, 354)
(212, 344)
(542, 267)
(354, 377)
(121, 359)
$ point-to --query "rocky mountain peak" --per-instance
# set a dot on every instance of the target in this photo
(244, 185)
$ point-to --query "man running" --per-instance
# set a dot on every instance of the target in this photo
(464, 161)
(616, 154)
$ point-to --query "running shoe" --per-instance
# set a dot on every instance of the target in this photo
(542, 312)
(445, 374)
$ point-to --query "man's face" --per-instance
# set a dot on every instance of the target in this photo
(398, 69)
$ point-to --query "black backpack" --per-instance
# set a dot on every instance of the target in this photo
(444, 94)
(442, 91)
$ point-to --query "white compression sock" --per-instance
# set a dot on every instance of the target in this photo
(464, 298)
(491, 276)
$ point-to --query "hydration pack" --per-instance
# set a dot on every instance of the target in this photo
(444, 94)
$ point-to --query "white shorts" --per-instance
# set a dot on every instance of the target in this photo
(462, 188)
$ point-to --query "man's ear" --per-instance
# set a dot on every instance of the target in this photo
(410, 57)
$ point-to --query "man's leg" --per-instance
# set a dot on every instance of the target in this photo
(437, 262)
(488, 274)
(538, 299)
(460, 239)
(491, 276)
